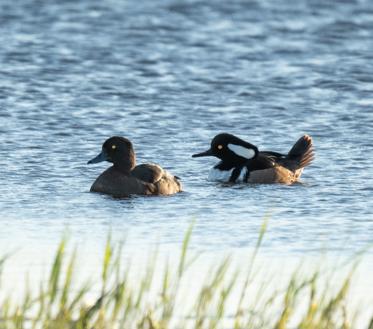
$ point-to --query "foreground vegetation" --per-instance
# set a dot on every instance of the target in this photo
(161, 298)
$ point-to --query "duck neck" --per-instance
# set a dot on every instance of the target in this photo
(125, 165)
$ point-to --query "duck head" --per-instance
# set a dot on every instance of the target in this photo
(230, 148)
(119, 151)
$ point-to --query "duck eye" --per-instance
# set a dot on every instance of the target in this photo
(113, 147)
(220, 147)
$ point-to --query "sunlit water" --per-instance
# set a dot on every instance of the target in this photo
(170, 75)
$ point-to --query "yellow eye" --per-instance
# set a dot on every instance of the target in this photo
(113, 147)
(220, 147)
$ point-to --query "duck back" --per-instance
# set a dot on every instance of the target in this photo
(164, 183)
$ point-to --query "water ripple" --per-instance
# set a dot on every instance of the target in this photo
(170, 75)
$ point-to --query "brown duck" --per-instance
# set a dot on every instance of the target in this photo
(124, 178)
(243, 162)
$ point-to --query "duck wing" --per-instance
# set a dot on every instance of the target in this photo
(274, 155)
(261, 162)
(149, 173)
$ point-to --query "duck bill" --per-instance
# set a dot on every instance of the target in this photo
(101, 157)
(207, 153)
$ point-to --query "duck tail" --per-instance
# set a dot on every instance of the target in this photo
(302, 152)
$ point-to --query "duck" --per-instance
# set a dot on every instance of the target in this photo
(242, 162)
(124, 178)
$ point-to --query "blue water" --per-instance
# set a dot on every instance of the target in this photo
(169, 75)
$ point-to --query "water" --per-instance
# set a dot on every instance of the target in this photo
(170, 75)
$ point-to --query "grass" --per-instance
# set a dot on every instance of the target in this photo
(163, 296)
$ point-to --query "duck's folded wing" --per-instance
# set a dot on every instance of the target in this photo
(278, 158)
(149, 172)
(261, 162)
(274, 155)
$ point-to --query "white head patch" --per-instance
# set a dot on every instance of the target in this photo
(244, 152)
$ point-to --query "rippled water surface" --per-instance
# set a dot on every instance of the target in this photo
(170, 75)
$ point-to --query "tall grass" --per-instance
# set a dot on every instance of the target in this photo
(164, 297)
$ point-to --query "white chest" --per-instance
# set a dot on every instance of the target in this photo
(217, 175)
